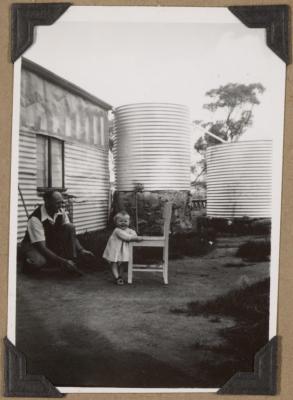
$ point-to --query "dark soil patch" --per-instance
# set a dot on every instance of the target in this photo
(189, 244)
(259, 250)
(244, 304)
(238, 226)
(236, 265)
(249, 307)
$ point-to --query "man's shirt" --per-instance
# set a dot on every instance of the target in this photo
(35, 226)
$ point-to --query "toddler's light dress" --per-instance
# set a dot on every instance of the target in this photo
(117, 249)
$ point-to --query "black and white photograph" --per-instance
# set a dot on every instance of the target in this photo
(146, 199)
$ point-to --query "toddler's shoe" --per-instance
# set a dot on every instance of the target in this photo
(119, 281)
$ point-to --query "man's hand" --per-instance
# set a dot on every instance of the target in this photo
(69, 265)
(86, 253)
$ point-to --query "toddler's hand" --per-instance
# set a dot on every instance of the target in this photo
(139, 239)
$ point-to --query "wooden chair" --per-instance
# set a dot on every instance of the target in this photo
(153, 241)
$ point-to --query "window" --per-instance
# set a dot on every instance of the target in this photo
(98, 130)
(50, 162)
(102, 130)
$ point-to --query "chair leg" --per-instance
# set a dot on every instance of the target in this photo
(165, 274)
(165, 267)
(130, 265)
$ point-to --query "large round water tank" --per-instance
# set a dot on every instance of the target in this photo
(152, 146)
(239, 179)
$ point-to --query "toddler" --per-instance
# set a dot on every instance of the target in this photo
(117, 249)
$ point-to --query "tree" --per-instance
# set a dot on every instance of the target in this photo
(233, 103)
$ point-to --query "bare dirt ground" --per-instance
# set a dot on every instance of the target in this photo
(90, 332)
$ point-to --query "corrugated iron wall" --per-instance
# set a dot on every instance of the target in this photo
(239, 179)
(27, 179)
(152, 146)
(87, 177)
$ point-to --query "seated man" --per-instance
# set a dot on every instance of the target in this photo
(50, 238)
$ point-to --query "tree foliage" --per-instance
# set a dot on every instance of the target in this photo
(233, 103)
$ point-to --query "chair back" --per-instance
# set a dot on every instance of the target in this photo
(167, 213)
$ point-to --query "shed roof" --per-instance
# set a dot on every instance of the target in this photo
(57, 80)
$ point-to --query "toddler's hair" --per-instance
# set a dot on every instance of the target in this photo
(119, 215)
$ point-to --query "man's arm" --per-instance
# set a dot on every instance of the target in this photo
(49, 254)
(82, 251)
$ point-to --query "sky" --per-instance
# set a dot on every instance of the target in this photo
(151, 54)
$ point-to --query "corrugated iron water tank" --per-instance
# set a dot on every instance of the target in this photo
(152, 146)
(239, 179)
